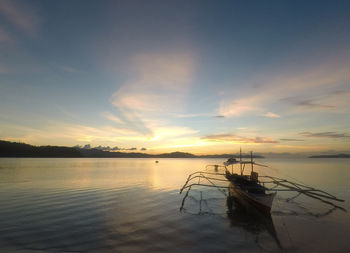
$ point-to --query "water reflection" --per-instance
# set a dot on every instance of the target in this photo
(250, 219)
(255, 225)
(132, 205)
(292, 206)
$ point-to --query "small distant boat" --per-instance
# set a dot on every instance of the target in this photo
(230, 161)
(156, 161)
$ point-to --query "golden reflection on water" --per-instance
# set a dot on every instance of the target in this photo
(102, 173)
(133, 201)
(168, 174)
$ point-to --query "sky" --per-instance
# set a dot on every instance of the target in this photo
(203, 77)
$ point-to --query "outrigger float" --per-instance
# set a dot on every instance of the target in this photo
(254, 190)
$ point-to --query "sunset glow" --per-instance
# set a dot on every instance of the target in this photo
(163, 76)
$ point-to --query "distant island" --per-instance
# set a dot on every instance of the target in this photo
(15, 149)
(331, 156)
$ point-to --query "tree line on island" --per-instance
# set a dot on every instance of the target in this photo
(15, 149)
(331, 156)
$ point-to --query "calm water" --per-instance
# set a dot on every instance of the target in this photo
(132, 205)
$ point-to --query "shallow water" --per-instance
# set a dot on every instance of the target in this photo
(133, 205)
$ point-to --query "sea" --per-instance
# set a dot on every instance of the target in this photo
(135, 205)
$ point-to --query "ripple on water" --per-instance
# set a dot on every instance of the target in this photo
(115, 209)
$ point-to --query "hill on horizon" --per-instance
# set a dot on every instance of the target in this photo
(15, 149)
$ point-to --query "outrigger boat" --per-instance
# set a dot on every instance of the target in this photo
(254, 190)
(247, 187)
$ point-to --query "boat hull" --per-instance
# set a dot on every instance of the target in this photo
(262, 202)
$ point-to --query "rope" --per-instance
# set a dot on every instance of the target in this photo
(285, 175)
(285, 226)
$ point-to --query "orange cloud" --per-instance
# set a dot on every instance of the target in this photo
(237, 139)
(271, 115)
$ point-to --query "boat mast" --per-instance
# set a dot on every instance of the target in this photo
(240, 160)
(251, 159)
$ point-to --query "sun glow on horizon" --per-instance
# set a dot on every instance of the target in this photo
(152, 82)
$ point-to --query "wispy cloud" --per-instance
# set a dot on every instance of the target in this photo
(113, 118)
(57, 132)
(238, 139)
(160, 84)
(172, 132)
(271, 115)
(193, 115)
(330, 72)
(291, 139)
(307, 104)
(310, 104)
(157, 90)
(339, 92)
(238, 107)
(314, 87)
(20, 15)
(332, 135)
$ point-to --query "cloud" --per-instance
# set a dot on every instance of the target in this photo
(310, 104)
(332, 135)
(193, 115)
(102, 137)
(338, 92)
(157, 90)
(160, 84)
(87, 146)
(271, 115)
(20, 15)
(329, 72)
(237, 139)
(172, 132)
(290, 139)
(122, 149)
(113, 118)
(129, 123)
(60, 132)
(312, 87)
(238, 107)
(307, 104)
(106, 148)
